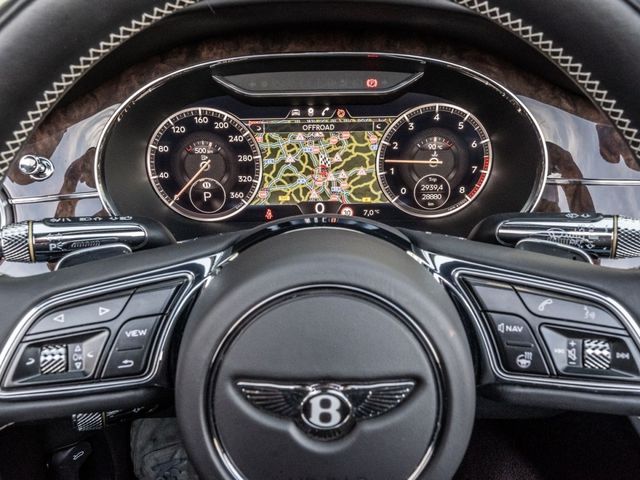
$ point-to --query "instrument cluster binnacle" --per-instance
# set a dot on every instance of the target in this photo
(405, 140)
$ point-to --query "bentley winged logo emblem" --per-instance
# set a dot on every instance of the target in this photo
(326, 410)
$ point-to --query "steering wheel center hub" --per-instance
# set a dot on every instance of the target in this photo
(322, 365)
(308, 375)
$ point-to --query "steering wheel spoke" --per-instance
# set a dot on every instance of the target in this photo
(549, 332)
(99, 333)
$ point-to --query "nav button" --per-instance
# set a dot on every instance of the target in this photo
(511, 330)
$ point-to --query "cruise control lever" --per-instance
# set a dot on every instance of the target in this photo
(597, 235)
(51, 239)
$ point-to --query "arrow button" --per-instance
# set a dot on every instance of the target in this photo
(102, 309)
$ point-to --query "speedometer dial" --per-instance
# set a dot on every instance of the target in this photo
(434, 160)
(204, 164)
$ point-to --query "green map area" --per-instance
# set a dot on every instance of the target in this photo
(319, 167)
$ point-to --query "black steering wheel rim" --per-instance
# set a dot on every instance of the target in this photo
(441, 266)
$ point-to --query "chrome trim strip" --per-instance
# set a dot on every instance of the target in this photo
(593, 181)
(195, 273)
(4, 209)
(537, 190)
(53, 198)
(450, 270)
(416, 330)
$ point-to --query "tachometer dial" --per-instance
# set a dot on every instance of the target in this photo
(434, 160)
(204, 164)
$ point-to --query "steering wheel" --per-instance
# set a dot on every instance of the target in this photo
(322, 345)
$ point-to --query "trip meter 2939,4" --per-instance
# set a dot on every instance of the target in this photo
(434, 160)
(204, 164)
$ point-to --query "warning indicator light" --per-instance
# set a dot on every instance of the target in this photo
(372, 83)
(268, 215)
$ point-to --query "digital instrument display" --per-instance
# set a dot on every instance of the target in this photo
(429, 161)
(434, 160)
(204, 164)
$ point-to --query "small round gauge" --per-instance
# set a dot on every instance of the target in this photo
(204, 164)
(434, 160)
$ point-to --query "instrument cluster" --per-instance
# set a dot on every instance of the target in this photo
(408, 141)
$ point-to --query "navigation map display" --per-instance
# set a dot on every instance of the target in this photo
(326, 158)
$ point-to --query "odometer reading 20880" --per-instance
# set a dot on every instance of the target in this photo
(434, 160)
(204, 164)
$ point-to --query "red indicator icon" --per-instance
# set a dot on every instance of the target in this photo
(347, 211)
(268, 215)
(372, 83)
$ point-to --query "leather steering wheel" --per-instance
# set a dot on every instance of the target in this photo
(358, 361)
